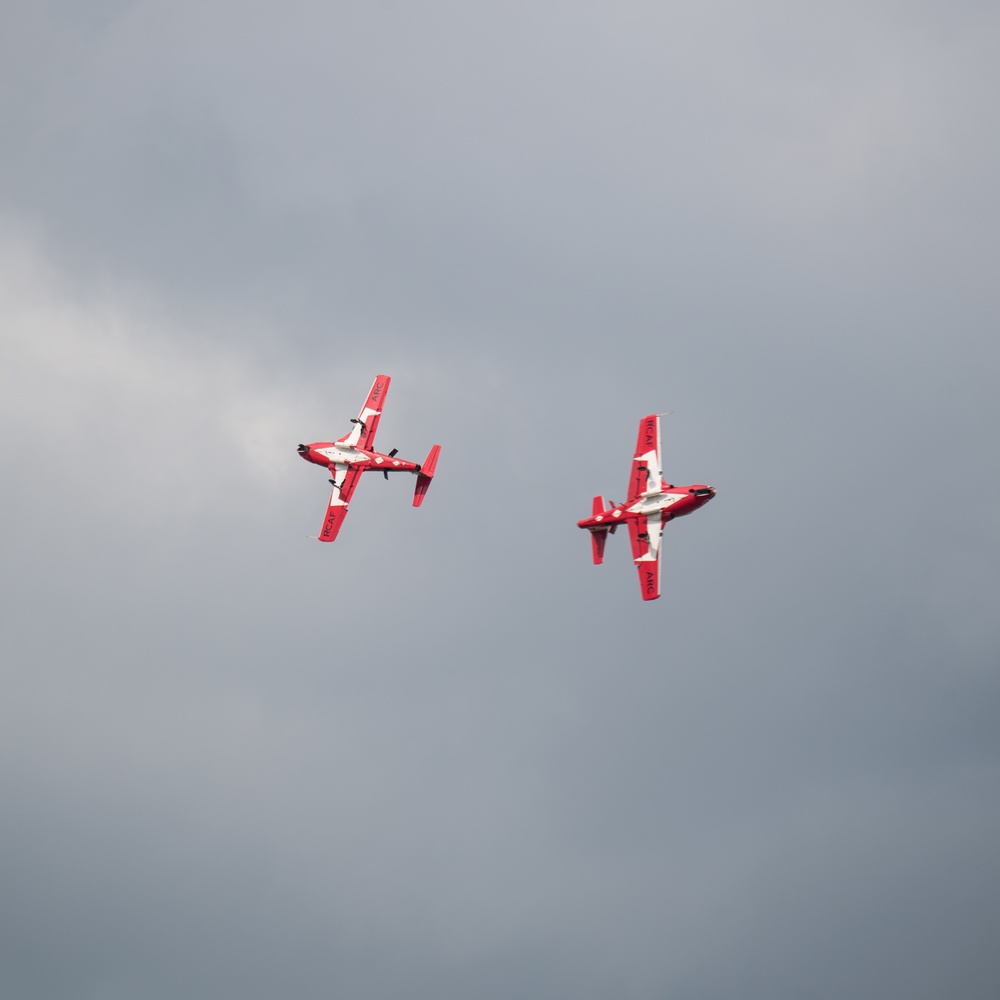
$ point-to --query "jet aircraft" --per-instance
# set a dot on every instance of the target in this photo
(650, 504)
(355, 453)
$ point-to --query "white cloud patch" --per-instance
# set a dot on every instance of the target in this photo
(103, 396)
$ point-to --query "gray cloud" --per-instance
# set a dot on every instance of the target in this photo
(448, 757)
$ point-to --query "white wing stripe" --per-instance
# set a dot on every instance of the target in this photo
(339, 474)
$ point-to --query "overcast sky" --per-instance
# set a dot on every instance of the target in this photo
(447, 757)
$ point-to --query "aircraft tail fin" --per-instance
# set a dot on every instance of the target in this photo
(425, 475)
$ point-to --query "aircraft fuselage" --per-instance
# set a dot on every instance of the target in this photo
(672, 502)
(327, 453)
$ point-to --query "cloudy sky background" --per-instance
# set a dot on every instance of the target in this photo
(447, 757)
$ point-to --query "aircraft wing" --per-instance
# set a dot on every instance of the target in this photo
(362, 434)
(345, 478)
(645, 534)
(647, 475)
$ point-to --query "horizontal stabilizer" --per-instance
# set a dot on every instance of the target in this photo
(425, 475)
(597, 540)
(598, 536)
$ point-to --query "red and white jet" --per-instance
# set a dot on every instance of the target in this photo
(650, 504)
(355, 453)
